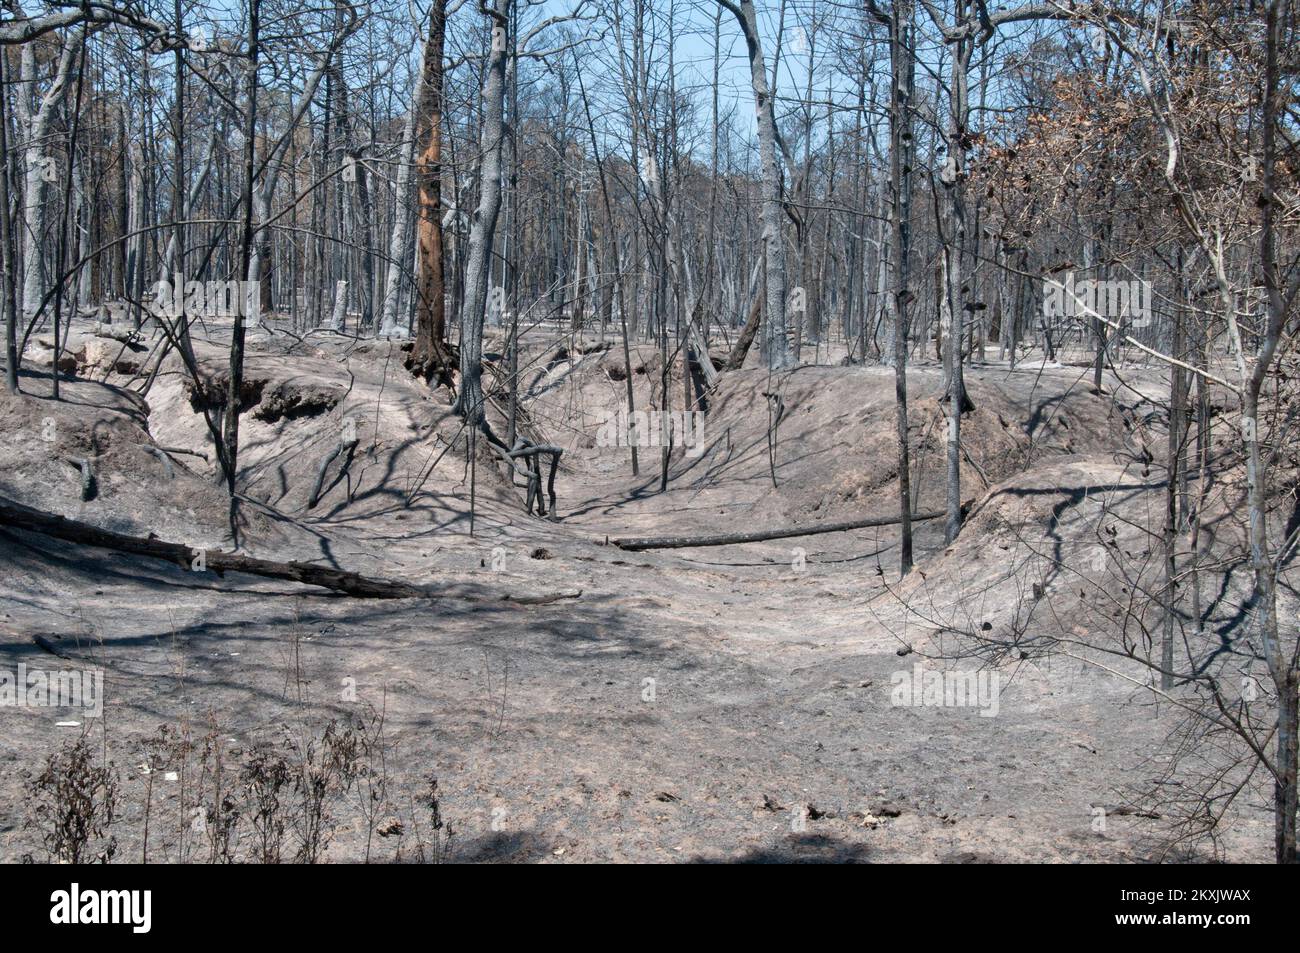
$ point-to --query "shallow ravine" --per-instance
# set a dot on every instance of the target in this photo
(730, 703)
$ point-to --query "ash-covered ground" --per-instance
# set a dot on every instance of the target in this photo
(575, 701)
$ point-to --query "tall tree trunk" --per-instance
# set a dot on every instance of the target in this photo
(469, 402)
(775, 329)
(956, 294)
(902, 68)
(429, 357)
(229, 455)
(34, 126)
(9, 287)
(1280, 292)
(389, 325)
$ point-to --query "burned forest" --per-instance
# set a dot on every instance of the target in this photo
(649, 431)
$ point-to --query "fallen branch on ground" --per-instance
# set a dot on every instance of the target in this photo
(21, 517)
(44, 643)
(726, 539)
(215, 560)
(544, 600)
(182, 450)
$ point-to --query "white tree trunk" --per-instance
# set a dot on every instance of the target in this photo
(469, 401)
(261, 252)
(339, 318)
(388, 324)
(774, 330)
(34, 127)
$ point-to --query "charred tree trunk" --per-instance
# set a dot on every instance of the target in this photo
(229, 448)
(430, 357)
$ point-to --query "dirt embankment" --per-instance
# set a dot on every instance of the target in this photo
(818, 443)
(91, 456)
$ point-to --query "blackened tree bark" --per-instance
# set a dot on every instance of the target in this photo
(429, 358)
(228, 454)
(902, 72)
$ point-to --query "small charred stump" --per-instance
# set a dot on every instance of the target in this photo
(89, 486)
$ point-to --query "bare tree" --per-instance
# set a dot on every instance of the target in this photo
(773, 216)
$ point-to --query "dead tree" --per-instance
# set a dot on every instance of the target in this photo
(469, 400)
(773, 215)
(430, 358)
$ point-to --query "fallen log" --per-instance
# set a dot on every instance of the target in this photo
(634, 543)
(543, 600)
(44, 643)
(48, 524)
(182, 450)
(122, 334)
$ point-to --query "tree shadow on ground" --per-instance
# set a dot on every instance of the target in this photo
(798, 849)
